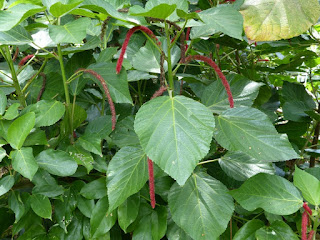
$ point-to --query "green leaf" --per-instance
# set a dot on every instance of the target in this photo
(175, 133)
(24, 163)
(6, 183)
(127, 173)
(117, 83)
(79, 116)
(180, 4)
(101, 125)
(187, 16)
(202, 207)
(15, 36)
(57, 162)
(71, 32)
(269, 192)
(13, 16)
(3, 100)
(124, 134)
(95, 189)
(223, 18)
(277, 230)
(278, 20)
(152, 223)
(60, 8)
(38, 137)
(81, 156)
(91, 143)
(48, 190)
(85, 206)
(3, 154)
(19, 130)
(248, 230)
(240, 166)
(128, 211)
(16, 205)
(160, 11)
(297, 102)
(101, 222)
(250, 131)
(41, 205)
(243, 91)
(308, 185)
(12, 112)
(174, 232)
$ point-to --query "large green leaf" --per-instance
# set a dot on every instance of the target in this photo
(174, 232)
(41, 205)
(223, 18)
(128, 211)
(240, 166)
(127, 173)
(13, 16)
(101, 222)
(101, 125)
(95, 189)
(250, 131)
(117, 83)
(270, 192)
(278, 230)
(15, 36)
(277, 20)
(3, 100)
(91, 143)
(47, 112)
(24, 163)
(308, 185)
(58, 8)
(202, 207)
(175, 132)
(81, 156)
(297, 101)
(180, 4)
(19, 130)
(71, 32)
(57, 162)
(6, 183)
(247, 231)
(243, 91)
(160, 11)
(124, 135)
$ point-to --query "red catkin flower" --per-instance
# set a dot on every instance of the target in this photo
(106, 91)
(188, 37)
(311, 233)
(25, 59)
(159, 92)
(43, 87)
(307, 208)
(218, 71)
(304, 223)
(126, 42)
(151, 184)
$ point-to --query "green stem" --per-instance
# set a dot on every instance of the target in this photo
(170, 76)
(7, 56)
(66, 91)
(208, 161)
(34, 76)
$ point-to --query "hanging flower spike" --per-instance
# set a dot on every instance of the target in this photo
(25, 59)
(151, 184)
(307, 208)
(159, 92)
(218, 71)
(304, 223)
(107, 93)
(188, 37)
(126, 42)
(311, 233)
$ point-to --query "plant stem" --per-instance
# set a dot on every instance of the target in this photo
(208, 161)
(170, 76)
(34, 76)
(66, 92)
(8, 58)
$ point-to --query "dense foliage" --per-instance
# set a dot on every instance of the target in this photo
(159, 119)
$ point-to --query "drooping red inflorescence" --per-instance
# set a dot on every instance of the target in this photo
(106, 91)
(304, 224)
(188, 37)
(25, 59)
(311, 233)
(218, 71)
(307, 208)
(151, 184)
(126, 42)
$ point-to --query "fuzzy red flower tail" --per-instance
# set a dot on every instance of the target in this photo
(188, 37)
(311, 233)
(304, 223)
(106, 91)
(126, 42)
(307, 208)
(25, 59)
(218, 71)
(159, 92)
(151, 184)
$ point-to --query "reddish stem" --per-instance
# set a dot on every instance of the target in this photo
(25, 59)
(218, 71)
(188, 37)
(307, 208)
(43, 86)
(159, 92)
(151, 183)
(126, 42)
(311, 233)
(304, 223)
(15, 54)
(106, 91)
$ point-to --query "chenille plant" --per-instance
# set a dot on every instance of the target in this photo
(159, 120)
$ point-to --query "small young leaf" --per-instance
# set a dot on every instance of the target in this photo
(128, 211)
(6, 183)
